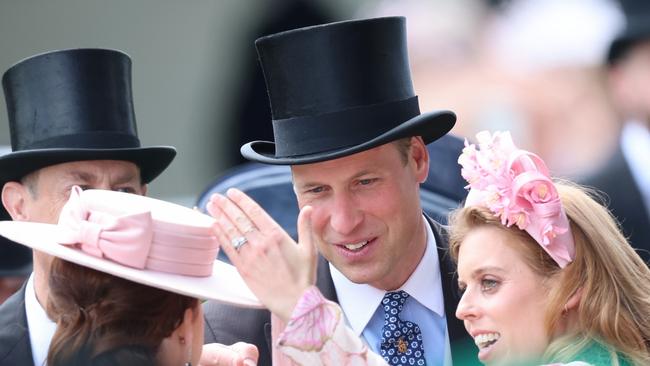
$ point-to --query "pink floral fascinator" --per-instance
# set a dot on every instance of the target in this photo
(516, 186)
(141, 239)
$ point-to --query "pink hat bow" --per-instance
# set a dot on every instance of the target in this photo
(123, 239)
(516, 186)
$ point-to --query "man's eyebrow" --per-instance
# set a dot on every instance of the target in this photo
(81, 175)
(313, 184)
(84, 176)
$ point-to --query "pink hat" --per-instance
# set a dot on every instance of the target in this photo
(141, 239)
(516, 186)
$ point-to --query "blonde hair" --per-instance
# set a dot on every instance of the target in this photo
(614, 307)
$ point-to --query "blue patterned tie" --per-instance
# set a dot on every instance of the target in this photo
(401, 340)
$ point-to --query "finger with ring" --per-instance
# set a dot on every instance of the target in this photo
(238, 242)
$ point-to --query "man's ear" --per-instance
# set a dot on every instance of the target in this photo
(144, 189)
(14, 196)
(420, 155)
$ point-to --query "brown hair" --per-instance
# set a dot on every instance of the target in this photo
(403, 146)
(614, 307)
(106, 320)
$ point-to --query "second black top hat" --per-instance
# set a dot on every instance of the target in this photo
(74, 105)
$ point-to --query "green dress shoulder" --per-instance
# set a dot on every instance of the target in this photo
(598, 355)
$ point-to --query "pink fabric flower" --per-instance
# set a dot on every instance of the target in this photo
(516, 186)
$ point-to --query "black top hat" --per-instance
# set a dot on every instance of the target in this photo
(74, 105)
(637, 28)
(338, 89)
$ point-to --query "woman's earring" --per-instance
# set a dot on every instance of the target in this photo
(182, 342)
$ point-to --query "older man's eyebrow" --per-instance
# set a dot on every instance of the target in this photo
(87, 177)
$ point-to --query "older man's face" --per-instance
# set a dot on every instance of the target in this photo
(49, 188)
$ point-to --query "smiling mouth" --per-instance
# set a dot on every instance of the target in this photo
(356, 246)
(485, 340)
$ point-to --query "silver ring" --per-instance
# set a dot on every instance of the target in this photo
(238, 242)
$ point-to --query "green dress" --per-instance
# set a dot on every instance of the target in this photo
(597, 355)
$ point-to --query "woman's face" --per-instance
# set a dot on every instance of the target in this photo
(504, 302)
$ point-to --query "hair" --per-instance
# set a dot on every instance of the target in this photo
(31, 182)
(106, 320)
(404, 148)
(614, 307)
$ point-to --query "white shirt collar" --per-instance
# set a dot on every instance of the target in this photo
(635, 144)
(41, 328)
(424, 285)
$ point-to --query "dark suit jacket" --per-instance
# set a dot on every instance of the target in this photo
(15, 349)
(625, 201)
(228, 324)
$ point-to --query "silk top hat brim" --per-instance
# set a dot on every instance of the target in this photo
(175, 229)
(151, 160)
(431, 126)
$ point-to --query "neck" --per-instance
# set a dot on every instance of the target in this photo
(41, 273)
(420, 238)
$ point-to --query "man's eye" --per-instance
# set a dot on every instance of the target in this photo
(365, 182)
(125, 189)
(316, 190)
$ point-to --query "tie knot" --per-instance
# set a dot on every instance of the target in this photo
(393, 302)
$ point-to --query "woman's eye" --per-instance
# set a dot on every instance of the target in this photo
(488, 284)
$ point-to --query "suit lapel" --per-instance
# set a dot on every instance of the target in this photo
(15, 348)
(449, 282)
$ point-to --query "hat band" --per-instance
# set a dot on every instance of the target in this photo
(313, 134)
(85, 140)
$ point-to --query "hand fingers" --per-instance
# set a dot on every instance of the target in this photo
(216, 354)
(304, 231)
(226, 244)
(254, 212)
(238, 217)
(247, 351)
(305, 238)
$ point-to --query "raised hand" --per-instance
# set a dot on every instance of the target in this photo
(274, 266)
(238, 354)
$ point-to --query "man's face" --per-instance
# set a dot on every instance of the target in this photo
(51, 185)
(366, 218)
